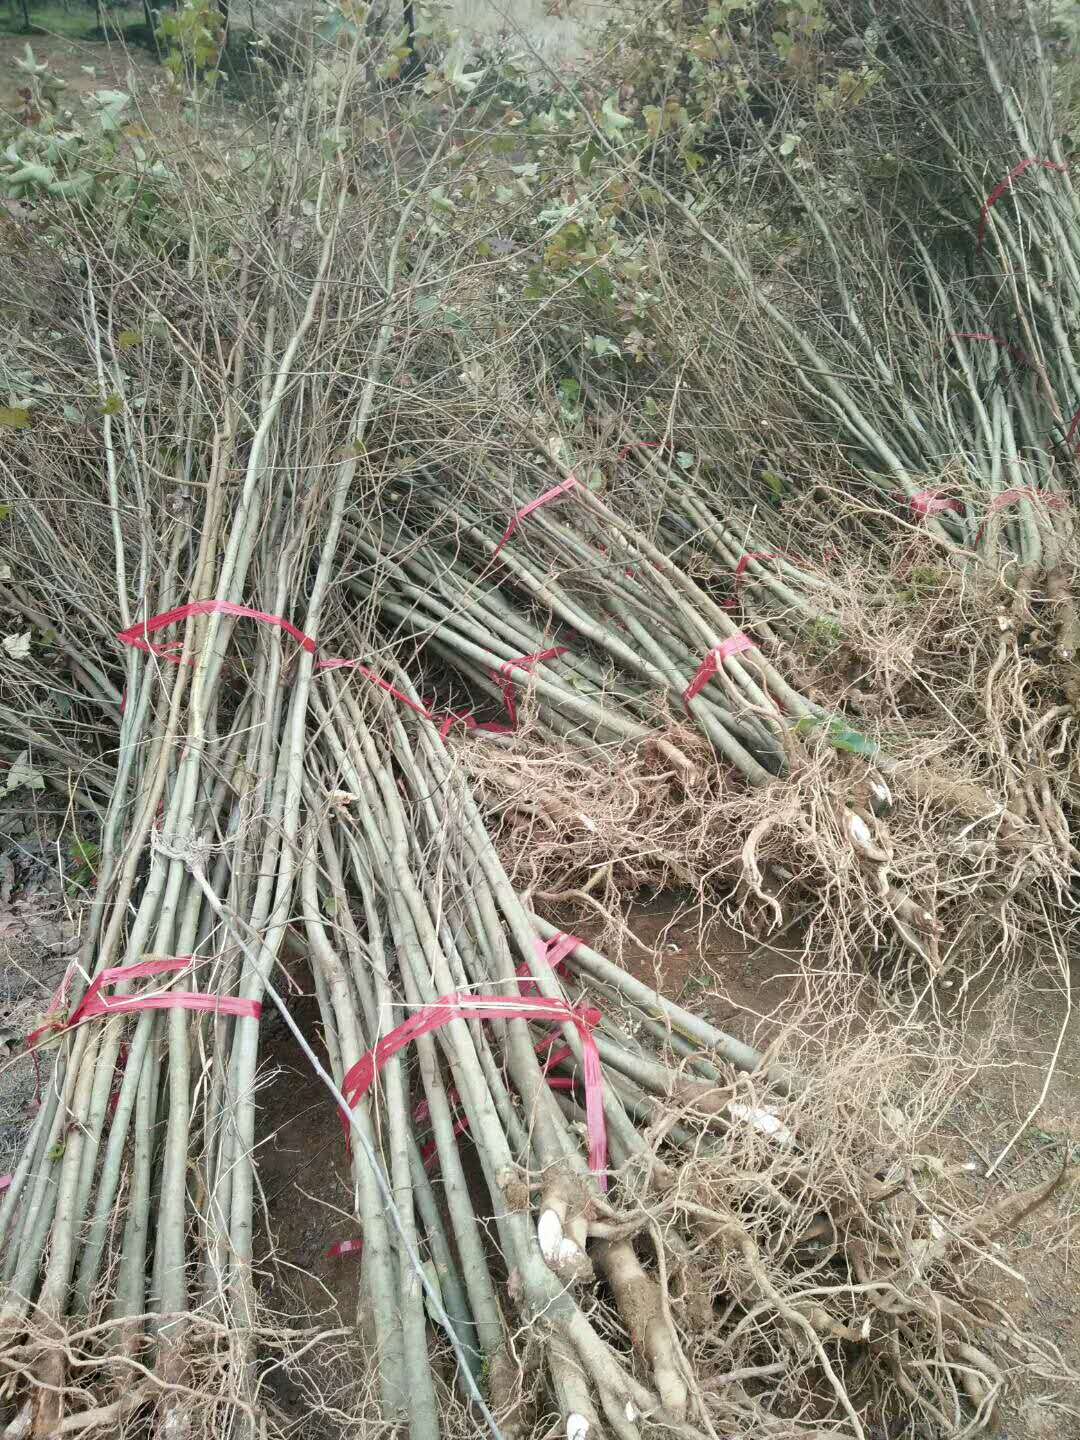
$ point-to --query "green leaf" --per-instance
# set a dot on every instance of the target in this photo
(570, 390)
(79, 186)
(331, 144)
(113, 405)
(440, 201)
(611, 120)
(127, 340)
(21, 775)
(454, 69)
(86, 852)
(334, 25)
(5, 511)
(13, 417)
(31, 173)
(775, 482)
(601, 345)
(112, 109)
(841, 738)
(838, 735)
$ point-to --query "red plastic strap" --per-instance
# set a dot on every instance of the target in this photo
(136, 634)
(1005, 185)
(741, 569)
(505, 676)
(1012, 497)
(344, 1247)
(642, 445)
(1020, 356)
(422, 1110)
(94, 1004)
(551, 952)
(376, 680)
(713, 660)
(557, 1057)
(932, 502)
(526, 510)
(56, 1004)
(5, 1181)
(465, 1006)
(430, 1151)
(1025, 492)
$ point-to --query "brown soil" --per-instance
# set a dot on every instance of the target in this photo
(83, 65)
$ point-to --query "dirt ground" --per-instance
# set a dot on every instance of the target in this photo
(83, 65)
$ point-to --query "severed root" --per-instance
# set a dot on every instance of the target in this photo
(752, 871)
(1067, 642)
(583, 1366)
(563, 1228)
(639, 1302)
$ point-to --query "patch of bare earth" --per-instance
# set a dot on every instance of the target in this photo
(83, 65)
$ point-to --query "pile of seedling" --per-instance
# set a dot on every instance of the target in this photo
(357, 611)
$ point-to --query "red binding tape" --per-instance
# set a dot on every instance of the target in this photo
(741, 569)
(932, 502)
(554, 952)
(527, 510)
(344, 1247)
(1005, 185)
(551, 952)
(642, 445)
(505, 677)
(465, 1006)
(56, 1004)
(5, 1181)
(136, 634)
(1013, 497)
(376, 680)
(1020, 356)
(94, 1004)
(735, 645)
